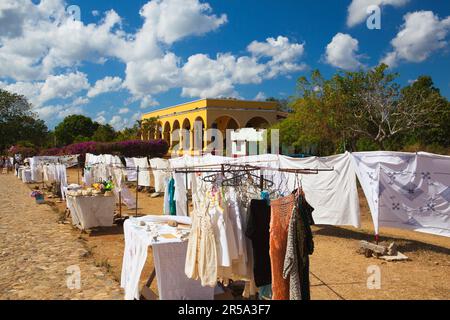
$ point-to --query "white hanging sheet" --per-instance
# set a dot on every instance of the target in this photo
(159, 175)
(406, 190)
(144, 173)
(131, 172)
(332, 194)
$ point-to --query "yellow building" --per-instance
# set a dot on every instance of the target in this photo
(219, 114)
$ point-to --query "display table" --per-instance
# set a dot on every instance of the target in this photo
(169, 255)
(91, 211)
(25, 175)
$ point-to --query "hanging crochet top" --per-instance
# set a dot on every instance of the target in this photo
(281, 211)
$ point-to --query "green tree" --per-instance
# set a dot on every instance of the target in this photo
(366, 109)
(104, 133)
(18, 122)
(437, 114)
(148, 127)
(129, 133)
(75, 128)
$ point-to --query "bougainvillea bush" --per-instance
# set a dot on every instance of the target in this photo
(130, 148)
(24, 151)
(52, 152)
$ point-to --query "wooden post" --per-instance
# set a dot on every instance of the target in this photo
(187, 195)
(137, 187)
(120, 204)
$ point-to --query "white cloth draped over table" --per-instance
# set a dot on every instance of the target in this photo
(91, 211)
(26, 175)
(406, 190)
(169, 257)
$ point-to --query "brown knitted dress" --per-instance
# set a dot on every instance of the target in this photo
(279, 223)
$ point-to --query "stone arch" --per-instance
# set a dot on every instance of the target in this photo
(175, 133)
(166, 132)
(258, 123)
(223, 123)
(199, 126)
(186, 126)
(159, 130)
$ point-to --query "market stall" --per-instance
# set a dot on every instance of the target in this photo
(168, 238)
(89, 211)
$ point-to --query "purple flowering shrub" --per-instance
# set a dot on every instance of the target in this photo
(130, 148)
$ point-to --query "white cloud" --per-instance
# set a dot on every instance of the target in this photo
(357, 11)
(80, 101)
(58, 111)
(100, 119)
(42, 49)
(152, 76)
(283, 53)
(261, 96)
(341, 52)
(107, 84)
(119, 123)
(95, 13)
(31, 90)
(205, 77)
(123, 110)
(422, 34)
(172, 20)
(63, 86)
(148, 102)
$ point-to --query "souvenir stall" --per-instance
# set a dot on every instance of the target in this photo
(102, 168)
(93, 207)
(244, 226)
(167, 236)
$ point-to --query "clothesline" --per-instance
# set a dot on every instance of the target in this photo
(197, 168)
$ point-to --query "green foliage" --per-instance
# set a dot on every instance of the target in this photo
(18, 122)
(75, 128)
(364, 110)
(128, 133)
(104, 133)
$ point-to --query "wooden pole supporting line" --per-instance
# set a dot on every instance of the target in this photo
(187, 195)
(137, 187)
(78, 173)
(120, 204)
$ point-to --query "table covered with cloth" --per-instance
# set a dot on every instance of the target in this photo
(91, 211)
(169, 255)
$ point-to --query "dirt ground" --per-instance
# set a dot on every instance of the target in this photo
(337, 270)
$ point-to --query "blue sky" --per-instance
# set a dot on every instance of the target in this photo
(125, 58)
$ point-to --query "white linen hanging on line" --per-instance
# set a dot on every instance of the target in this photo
(159, 175)
(61, 174)
(406, 190)
(131, 171)
(332, 194)
(180, 194)
(144, 173)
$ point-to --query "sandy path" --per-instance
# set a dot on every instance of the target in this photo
(39, 257)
